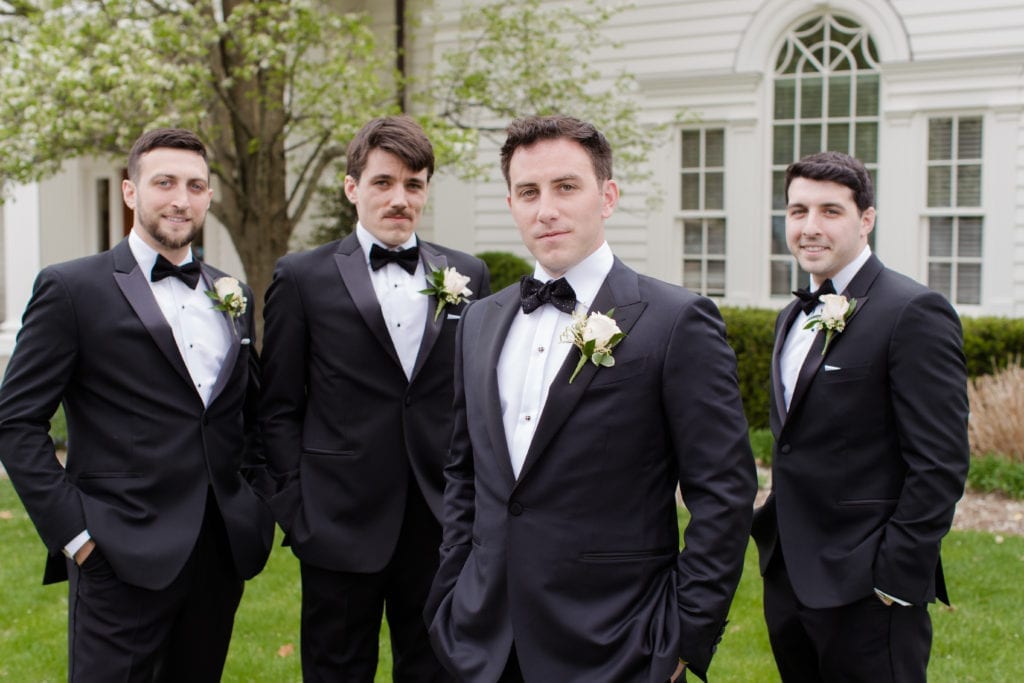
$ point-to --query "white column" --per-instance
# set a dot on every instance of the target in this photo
(21, 259)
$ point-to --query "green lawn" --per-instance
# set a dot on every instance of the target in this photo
(979, 639)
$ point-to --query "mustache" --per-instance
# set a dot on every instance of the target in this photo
(398, 213)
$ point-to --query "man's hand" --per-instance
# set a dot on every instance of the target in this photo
(679, 671)
(84, 552)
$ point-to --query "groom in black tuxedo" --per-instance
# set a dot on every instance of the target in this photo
(357, 412)
(560, 559)
(871, 447)
(156, 510)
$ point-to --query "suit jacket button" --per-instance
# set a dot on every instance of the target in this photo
(515, 508)
(785, 448)
(206, 420)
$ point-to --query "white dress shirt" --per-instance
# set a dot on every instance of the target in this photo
(403, 306)
(798, 340)
(533, 353)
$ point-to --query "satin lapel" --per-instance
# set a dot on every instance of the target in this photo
(134, 284)
(432, 260)
(499, 312)
(620, 291)
(351, 264)
(789, 314)
(234, 341)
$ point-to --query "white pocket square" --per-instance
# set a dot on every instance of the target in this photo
(832, 368)
(245, 340)
(452, 316)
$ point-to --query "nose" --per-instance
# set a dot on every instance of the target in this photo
(179, 199)
(812, 224)
(399, 199)
(547, 210)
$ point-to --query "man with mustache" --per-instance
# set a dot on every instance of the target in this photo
(156, 520)
(357, 415)
(869, 414)
(561, 558)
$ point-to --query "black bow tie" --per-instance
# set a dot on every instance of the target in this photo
(406, 258)
(188, 273)
(809, 300)
(559, 293)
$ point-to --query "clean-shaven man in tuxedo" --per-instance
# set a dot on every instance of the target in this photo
(156, 510)
(357, 412)
(560, 558)
(871, 452)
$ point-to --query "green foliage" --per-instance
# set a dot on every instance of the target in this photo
(59, 428)
(505, 268)
(993, 472)
(750, 332)
(990, 343)
(761, 442)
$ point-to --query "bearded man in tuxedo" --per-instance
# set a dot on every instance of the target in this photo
(869, 413)
(158, 517)
(560, 559)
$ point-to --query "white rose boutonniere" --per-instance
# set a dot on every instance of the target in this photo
(227, 292)
(834, 314)
(449, 286)
(595, 335)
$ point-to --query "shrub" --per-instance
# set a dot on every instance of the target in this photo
(761, 442)
(990, 343)
(505, 268)
(996, 473)
(751, 334)
(996, 424)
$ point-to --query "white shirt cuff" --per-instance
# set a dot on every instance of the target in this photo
(76, 543)
(888, 599)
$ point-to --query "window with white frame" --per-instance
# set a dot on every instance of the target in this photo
(956, 221)
(826, 98)
(702, 209)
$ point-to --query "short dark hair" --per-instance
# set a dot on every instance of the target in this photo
(838, 168)
(174, 138)
(527, 131)
(398, 135)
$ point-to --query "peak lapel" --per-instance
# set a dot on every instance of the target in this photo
(788, 315)
(134, 284)
(432, 260)
(234, 337)
(499, 312)
(351, 263)
(620, 291)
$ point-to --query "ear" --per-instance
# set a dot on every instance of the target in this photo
(609, 198)
(128, 193)
(867, 221)
(351, 189)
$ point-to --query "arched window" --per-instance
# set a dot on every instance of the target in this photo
(826, 98)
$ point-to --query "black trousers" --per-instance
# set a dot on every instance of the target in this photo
(865, 641)
(120, 632)
(341, 611)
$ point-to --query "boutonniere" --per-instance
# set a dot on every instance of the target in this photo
(449, 286)
(227, 292)
(595, 335)
(833, 316)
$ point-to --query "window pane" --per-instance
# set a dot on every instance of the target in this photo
(940, 278)
(693, 237)
(785, 98)
(940, 139)
(968, 186)
(810, 140)
(690, 192)
(714, 147)
(783, 147)
(810, 97)
(968, 243)
(778, 190)
(969, 142)
(716, 278)
(691, 275)
(839, 138)
(968, 283)
(691, 149)
(867, 95)
(839, 96)
(866, 144)
(716, 236)
(939, 192)
(940, 237)
(781, 278)
(714, 191)
(779, 235)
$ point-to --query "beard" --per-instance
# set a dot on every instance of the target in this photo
(151, 224)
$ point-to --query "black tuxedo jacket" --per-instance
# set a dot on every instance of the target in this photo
(345, 430)
(872, 456)
(143, 451)
(578, 560)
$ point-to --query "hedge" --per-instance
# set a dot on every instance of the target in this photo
(505, 268)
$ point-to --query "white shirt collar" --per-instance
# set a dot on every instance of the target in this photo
(367, 240)
(843, 278)
(587, 276)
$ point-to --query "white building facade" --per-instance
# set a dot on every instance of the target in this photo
(928, 93)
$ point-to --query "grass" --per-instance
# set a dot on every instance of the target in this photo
(978, 639)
